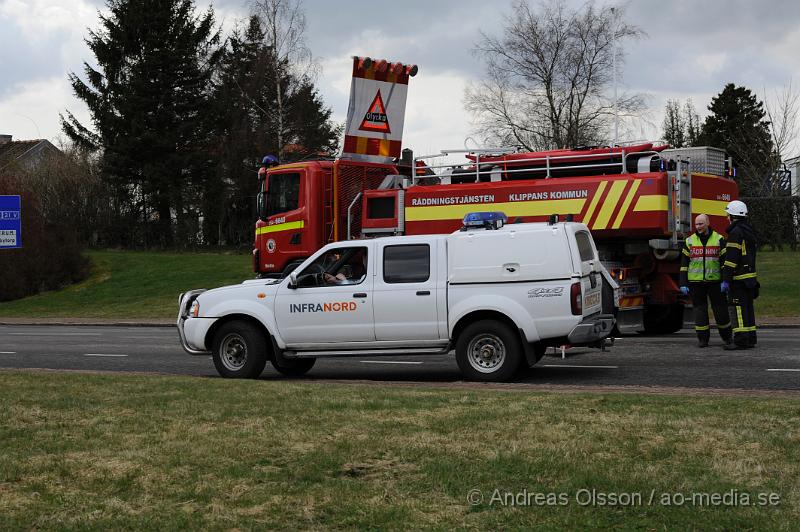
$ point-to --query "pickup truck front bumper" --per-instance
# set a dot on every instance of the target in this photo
(592, 329)
(197, 326)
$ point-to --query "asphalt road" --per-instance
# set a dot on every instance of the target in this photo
(670, 361)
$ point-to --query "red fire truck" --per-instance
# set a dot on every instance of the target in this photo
(639, 202)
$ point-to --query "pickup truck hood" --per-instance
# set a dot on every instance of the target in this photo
(246, 290)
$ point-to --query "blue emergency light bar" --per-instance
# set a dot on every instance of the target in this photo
(487, 220)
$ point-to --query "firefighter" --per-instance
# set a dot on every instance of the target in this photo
(739, 276)
(701, 276)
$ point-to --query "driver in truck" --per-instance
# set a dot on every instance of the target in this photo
(353, 272)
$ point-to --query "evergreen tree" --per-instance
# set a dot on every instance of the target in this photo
(147, 98)
(246, 121)
(737, 124)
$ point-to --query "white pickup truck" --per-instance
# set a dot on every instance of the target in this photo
(497, 296)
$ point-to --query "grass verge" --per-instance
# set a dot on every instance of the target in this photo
(780, 291)
(119, 452)
(132, 284)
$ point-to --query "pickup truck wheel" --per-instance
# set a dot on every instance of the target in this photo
(488, 350)
(293, 367)
(239, 350)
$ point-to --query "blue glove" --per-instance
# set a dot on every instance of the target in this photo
(724, 287)
(685, 290)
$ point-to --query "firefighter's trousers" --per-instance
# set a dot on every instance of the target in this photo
(743, 317)
(701, 292)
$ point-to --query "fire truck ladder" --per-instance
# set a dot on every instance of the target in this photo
(327, 211)
(680, 201)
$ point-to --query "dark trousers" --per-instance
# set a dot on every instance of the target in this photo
(743, 316)
(701, 293)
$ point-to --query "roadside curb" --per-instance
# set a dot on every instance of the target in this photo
(88, 323)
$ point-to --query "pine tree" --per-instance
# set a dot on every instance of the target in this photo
(737, 124)
(147, 97)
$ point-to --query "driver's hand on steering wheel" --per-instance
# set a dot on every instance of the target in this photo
(328, 277)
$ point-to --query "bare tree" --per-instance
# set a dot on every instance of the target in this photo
(548, 75)
(783, 111)
(284, 25)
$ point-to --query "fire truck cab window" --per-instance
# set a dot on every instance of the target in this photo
(584, 246)
(407, 264)
(283, 194)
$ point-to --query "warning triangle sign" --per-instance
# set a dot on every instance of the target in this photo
(375, 119)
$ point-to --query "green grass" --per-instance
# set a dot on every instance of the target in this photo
(780, 288)
(135, 285)
(131, 452)
(128, 285)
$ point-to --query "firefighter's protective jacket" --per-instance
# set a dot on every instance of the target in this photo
(740, 254)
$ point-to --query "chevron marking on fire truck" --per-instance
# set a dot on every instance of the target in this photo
(626, 204)
(609, 204)
(593, 205)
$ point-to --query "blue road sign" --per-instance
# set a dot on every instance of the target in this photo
(10, 222)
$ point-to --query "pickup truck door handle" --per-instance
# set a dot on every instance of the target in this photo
(360, 294)
(423, 293)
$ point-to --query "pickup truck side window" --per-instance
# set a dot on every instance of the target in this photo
(283, 194)
(584, 246)
(407, 263)
(337, 266)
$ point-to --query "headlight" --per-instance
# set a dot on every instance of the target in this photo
(194, 310)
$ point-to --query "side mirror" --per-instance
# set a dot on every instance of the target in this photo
(293, 280)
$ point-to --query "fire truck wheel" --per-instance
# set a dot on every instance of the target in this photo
(239, 350)
(292, 367)
(488, 350)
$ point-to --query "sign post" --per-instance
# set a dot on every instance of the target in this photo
(10, 222)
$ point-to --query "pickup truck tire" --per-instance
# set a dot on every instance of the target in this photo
(239, 350)
(488, 350)
(292, 367)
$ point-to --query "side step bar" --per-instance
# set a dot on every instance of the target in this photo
(367, 352)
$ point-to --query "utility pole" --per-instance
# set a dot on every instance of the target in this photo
(614, 68)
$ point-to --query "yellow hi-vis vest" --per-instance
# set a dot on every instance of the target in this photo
(704, 260)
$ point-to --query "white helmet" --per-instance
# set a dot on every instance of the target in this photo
(736, 208)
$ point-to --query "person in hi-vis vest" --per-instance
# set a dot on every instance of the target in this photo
(701, 276)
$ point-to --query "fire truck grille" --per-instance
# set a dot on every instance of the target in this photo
(350, 181)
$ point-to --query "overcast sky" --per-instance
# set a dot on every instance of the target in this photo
(691, 49)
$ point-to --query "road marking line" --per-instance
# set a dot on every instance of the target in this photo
(8, 352)
(783, 369)
(387, 362)
(571, 366)
(102, 355)
(54, 334)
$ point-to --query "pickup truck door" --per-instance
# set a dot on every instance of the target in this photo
(327, 312)
(591, 273)
(406, 297)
